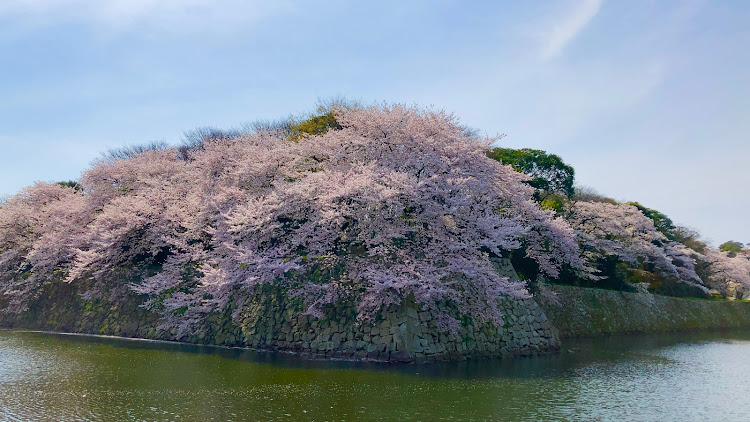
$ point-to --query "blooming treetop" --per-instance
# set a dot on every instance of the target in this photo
(397, 203)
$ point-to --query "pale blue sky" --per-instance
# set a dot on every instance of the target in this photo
(648, 100)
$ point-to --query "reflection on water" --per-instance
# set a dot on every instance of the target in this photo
(664, 378)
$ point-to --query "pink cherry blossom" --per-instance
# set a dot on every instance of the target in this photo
(398, 203)
(624, 232)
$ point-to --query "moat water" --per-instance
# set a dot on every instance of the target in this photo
(687, 377)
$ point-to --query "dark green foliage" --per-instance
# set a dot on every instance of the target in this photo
(549, 173)
(662, 223)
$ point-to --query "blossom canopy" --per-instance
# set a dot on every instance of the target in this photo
(393, 203)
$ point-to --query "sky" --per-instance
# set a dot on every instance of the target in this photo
(648, 100)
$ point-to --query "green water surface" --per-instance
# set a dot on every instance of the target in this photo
(666, 378)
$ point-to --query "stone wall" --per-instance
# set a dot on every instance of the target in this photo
(585, 312)
(402, 334)
(272, 322)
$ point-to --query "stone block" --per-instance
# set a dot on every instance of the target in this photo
(412, 313)
(401, 356)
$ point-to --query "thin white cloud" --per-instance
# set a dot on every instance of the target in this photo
(564, 30)
(178, 16)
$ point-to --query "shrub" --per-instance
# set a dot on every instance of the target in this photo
(315, 125)
(731, 246)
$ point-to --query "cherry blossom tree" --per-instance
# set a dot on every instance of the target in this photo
(371, 207)
(727, 272)
(39, 231)
(390, 203)
(622, 231)
(396, 203)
